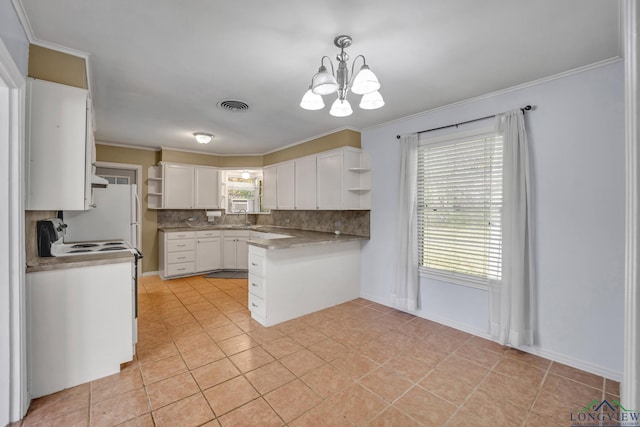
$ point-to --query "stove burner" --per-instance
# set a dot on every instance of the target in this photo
(112, 244)
(112, 248)
(77, 251)
(85, 245)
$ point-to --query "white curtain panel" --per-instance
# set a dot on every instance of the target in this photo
(405, 289)
(512, 298)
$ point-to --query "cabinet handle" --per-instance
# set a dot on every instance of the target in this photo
(254, 285)
(253, 304)
(182, 269)
(182, 257)
(181, 246)
(254, 264)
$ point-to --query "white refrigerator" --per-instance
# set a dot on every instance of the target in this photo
(115, 217)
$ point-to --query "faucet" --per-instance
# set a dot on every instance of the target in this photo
(246, 216)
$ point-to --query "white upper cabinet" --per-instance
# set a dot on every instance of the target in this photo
(178, 186)
(269, 189)
(285, 186)
(207, 188)
(59, 147)
(305, 183)
(278, 182)
(329, 185)
(338, 179)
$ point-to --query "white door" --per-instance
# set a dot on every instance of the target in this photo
(229, 252)
(178, 187)
(305, 183)
(208, 254)
(329, 183)
(206, 188)
(242, 253)
(285, 185)
(269, 185)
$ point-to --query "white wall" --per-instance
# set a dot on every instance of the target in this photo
(576, 134)
(13, 36)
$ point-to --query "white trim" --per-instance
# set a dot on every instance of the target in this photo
(550, 355)
(139, 182)
(24, 20)
(151, 273)
(311, 138)
(132, 146)
(630, 391)
(15, 272)
(547, 79)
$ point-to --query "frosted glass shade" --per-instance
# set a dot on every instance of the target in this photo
(365, 81)
(311, 101)
(203, 138)
(323, 83)
(371, 101)
(341, 108)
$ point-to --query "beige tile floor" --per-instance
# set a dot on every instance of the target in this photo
(201, 360)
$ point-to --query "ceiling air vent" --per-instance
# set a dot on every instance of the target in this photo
(233, 106)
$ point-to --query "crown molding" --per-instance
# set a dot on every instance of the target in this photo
(532, 83)
(132, 146)
(311, 138)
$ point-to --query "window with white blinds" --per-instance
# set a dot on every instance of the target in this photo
(459, 207)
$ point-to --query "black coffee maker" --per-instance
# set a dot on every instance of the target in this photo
(48, 232)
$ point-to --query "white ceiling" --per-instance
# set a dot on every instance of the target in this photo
(159, 67)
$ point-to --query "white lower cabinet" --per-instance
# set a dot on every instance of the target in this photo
(184, 253)
(292, 282)
(208, 254)
(79, 325)
(235, 252)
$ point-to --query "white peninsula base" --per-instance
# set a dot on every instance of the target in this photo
(286, 283)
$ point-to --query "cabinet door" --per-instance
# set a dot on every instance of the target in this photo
(329, 184)
(285, 186)
(206, 188)
(229, 252)
(56, 149)
(305, 183)
(178, 187)
(242, 253)
(208, 255)
(269, 184)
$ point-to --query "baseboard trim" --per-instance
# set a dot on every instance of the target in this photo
(538, 351)
(150, 273)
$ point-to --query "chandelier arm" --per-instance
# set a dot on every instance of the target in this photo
(333, 71)
(353, 65)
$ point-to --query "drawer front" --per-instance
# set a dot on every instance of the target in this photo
(181, 245)
(208, 233)
(256, 264)
(181, 268)
(256, 285)
(181, 235)
(237, 233)
(256, 305)
(178, 257)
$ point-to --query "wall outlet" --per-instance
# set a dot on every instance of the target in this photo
(287, 221)
(337, 224)
(191, 219)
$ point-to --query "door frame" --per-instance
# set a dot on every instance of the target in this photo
(138, 171)
(12, 250)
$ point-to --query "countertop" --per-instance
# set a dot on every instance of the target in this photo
(299, 237)
(59, 263)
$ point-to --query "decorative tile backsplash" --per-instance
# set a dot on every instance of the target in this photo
(348, 222)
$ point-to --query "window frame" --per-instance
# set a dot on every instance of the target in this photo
(445, 276)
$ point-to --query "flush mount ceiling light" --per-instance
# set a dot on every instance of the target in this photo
(203, 138)
(325, 83)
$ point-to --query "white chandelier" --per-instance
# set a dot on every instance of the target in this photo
(364, 83)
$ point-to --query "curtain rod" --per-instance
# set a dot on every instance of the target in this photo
(523, 109)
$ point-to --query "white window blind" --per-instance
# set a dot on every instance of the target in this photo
(459, 207)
